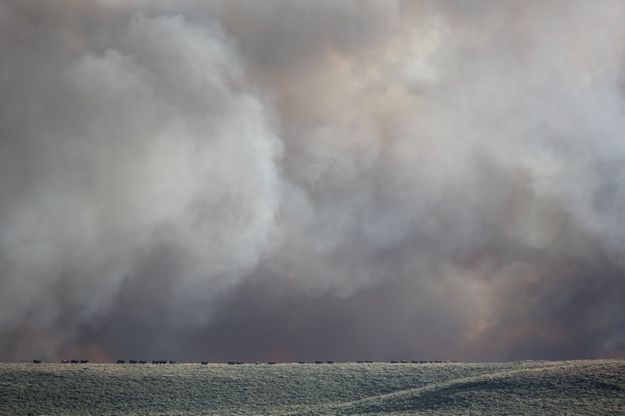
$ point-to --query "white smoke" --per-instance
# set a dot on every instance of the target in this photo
(157, 142)
(464, 160)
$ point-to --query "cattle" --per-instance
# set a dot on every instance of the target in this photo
(84, 361)
(204, 362)
(329, 362)
(65, 361)
(318, 362)
(36, 361)
(301, 362)
(75, 361)
(394, 362)
(121, 362)
(133, 362)
(143, 362)
(271, 362)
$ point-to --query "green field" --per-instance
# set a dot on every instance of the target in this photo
(527, 388)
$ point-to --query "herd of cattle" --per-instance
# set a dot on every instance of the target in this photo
(240, 362)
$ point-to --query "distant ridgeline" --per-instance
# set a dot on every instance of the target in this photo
(170, 362)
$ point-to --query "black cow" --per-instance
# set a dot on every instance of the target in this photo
(65, 361)
(133, 362)
(121, 362)
(84, 361)
(75, 361)
(36, 361)
(204, 362)
(143, 362)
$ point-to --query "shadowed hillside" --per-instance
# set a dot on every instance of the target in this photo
(568, 387)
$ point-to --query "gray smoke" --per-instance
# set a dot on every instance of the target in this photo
(312, 180)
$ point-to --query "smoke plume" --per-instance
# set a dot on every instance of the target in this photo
(312, 180)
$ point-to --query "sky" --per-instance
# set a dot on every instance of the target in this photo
(312, 180)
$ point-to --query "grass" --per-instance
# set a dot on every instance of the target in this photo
(522, 388)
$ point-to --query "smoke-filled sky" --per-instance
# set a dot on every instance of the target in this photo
(301, 180)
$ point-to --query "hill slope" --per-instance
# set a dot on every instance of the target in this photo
(569, 387)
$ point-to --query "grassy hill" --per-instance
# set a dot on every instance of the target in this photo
(528, 388)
